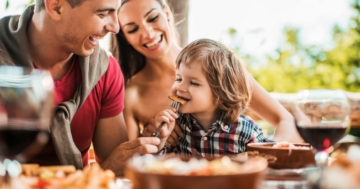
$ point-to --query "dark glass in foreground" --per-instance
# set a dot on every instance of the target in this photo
(24, 142)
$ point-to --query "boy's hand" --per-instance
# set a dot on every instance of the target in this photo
(168, 117)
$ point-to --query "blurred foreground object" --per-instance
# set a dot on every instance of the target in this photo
(26, 106)
(66, 177)
(344, 172)
(193, 173)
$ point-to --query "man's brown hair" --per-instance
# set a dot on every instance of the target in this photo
(225, 74)
(40, 4)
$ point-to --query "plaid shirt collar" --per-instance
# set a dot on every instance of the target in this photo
(220, 139)
(214, 126)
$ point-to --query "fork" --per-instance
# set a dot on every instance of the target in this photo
(173, 104)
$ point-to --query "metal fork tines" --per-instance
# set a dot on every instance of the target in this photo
(173, 104)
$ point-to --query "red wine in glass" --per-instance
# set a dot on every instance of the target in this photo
(26, 108)
(322, 118)
(320, 137)
(21, 144)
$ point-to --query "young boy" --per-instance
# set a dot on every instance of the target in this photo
(214, 84)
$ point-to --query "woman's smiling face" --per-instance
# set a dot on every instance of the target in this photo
(146, 26)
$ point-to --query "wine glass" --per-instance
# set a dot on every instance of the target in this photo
(322, 118)
(26, 104)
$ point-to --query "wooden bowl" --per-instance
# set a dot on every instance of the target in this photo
(285, 158)
(250, 179)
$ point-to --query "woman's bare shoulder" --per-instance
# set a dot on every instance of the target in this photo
(137, 80)
(133, 91)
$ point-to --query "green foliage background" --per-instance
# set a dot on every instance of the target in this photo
(297, 66)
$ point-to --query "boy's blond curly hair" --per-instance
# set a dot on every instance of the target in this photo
(225, 74)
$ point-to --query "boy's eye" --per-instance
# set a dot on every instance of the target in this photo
(153, 19)
(177, 79)
(193, 83)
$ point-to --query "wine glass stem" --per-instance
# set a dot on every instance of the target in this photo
(321, 158)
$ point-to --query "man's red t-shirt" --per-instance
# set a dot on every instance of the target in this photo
(105, 100)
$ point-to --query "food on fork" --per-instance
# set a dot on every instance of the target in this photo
(178, 99)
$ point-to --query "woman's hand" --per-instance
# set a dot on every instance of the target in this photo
(286, 131)
(270, 110)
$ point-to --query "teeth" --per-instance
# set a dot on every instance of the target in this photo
(93, 38)
(154, 43)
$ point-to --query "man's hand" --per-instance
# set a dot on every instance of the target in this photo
(124, 151)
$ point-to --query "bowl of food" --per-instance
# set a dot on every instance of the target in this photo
(177, 172)
(287, 155)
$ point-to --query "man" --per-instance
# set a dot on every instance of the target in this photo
(62, 36)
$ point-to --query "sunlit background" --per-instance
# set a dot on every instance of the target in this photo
(313, 42)
(259, 23)
(286, 44)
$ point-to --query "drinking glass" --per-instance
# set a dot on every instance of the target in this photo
(322, 118)
(26, 107)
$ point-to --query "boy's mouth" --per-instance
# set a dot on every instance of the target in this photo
(186, 99)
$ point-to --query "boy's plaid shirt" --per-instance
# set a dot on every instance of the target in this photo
(220, 139)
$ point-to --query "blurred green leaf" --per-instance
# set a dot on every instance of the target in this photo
(232, 31)
(7, 4)
(30, 2)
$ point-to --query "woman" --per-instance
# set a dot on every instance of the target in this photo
(147, 48)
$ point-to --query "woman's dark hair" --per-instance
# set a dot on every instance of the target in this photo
(130, 60)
